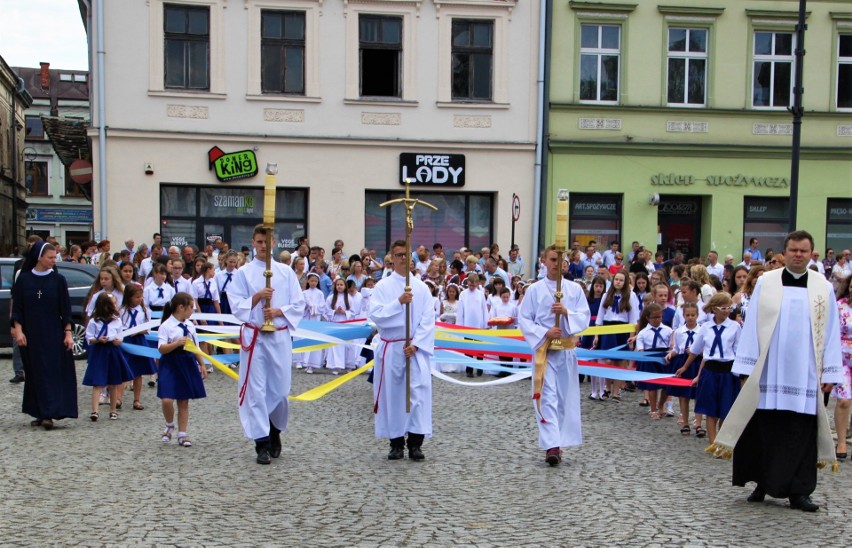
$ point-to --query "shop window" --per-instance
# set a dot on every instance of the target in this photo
(36, 178)
(844, 71)
(178, 201)
(380, 46)
(600, 51)
(179, 232)
(472, 59)
(595, 217)
(838, 229)
(687, 66)
(772, 81)
(35, 128)
(186, 47)
(766, 219)
(462, 220)
(282, 56)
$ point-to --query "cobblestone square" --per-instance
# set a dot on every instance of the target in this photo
(634, 482)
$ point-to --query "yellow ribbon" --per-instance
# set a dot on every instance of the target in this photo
(323, 389)
(191, 347)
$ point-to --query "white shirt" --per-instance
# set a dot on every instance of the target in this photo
(681, 336)
(645, 339)
(119, 298)
(170, 331)
(199, 286)
(718, 269)
(472, 310)
(113, 333)
(610, 315)
(706, 336)
(151, 297)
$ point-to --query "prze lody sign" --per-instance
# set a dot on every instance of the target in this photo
(432, 169)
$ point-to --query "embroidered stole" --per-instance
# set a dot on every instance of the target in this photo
(769, 308)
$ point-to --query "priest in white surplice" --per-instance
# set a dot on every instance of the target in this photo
(265, 358)
(790, 350)
(556, 385)
(387, 311)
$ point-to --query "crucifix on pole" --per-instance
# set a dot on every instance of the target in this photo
(409, 204)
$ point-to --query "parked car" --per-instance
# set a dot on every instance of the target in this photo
(79, 277)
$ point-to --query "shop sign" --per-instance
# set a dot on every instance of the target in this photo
(59, 215)
(840, 210)
(767, 209)
(432, 169)
(178, 241)
(231, 166)
(678, 208)
(213, 237)
(598, 207)
(674, 179)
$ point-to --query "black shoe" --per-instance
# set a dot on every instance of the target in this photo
(274, 442)
(803, 503)
(18, 378)
(262, 448)
(396, 453)
(415, 453)
(469, 374)
(479, 372)
(757, 495)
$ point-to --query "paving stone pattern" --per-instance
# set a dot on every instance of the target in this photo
(634, 482)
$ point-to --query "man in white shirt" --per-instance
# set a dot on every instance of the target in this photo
(491, 270)
(608, 256)
(815, 261)
(147, 263)
(516, 262)
(713, 266)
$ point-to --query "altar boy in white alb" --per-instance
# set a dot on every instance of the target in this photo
(265, 358)
(790, 348)
(387, 311)
(557, 405)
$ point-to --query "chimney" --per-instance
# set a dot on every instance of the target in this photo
(45, 76)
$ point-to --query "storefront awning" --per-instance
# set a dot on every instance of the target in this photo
(69, 140)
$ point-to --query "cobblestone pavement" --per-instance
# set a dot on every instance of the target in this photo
(634, 482)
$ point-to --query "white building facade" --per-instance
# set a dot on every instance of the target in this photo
(346, 96)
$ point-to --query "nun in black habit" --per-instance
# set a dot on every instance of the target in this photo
(41, 324)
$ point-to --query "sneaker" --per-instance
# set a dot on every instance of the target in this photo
(103, 399)
(670, 410)
(299, 366)
(18, 378)
(594, 396)
(309, 370)
(210, 369)
(335, 372)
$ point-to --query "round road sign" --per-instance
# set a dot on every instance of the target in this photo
(516, 207)
(81, 171)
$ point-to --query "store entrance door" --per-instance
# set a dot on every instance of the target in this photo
(679, 222)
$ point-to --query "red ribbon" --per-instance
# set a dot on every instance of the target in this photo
(382, 376)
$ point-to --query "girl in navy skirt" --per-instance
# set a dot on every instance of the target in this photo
(207, 294)
(107, 366)
(653, 336)
(620, 306)
(182, 374)
(716, 342)
(595, 297)
(224, 279)
(134, 313)
(684, 336)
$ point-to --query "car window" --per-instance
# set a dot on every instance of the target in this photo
(6, 272)
(77, 278)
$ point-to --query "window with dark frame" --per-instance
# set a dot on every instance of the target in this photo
(380, 47)
(687, 66)
(473, 59)
(844, 71)
(282, 52)
(186, 47)
(36, 178)
(35, 129)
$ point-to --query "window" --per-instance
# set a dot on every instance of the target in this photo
(773, 69)
(844, 71)
(282, 55)
(473, 52)
(768, 220)
(595, 217)
(600, 48)
(35, 128)
(380, 46)
(36, 178)
(462, 220)
(838, 229)
(187, 47)
(687, 64)
(73, 189)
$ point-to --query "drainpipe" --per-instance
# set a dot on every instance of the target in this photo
(99, 14)
(14, 142)
(542, 82)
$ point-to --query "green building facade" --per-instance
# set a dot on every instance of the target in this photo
(668, 123)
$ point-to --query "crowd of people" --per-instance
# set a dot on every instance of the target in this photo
(693, 312)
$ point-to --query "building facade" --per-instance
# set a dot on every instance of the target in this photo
(58, 206)
(669, 122)
(14, 99)
(347, 97)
